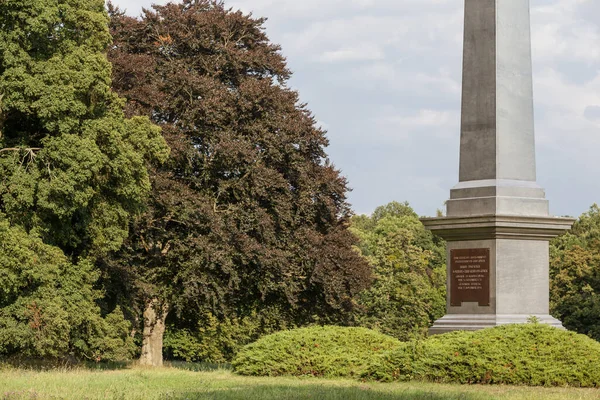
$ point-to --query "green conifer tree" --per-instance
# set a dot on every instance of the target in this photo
(72, 167)
(72, 172)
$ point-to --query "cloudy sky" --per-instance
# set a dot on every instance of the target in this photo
(384, 78)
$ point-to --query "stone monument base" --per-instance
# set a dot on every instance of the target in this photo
(471, 322)
(497, 269)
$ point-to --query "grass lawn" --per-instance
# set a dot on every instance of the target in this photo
(180, 383)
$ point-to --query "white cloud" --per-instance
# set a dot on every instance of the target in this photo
(386, 75)
(423, 119)
(361, 52)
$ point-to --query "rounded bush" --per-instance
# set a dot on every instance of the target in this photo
(328, 351)
(527, 354)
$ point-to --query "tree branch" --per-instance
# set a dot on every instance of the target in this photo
(27, 149)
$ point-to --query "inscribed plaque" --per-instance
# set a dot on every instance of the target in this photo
(470, 276)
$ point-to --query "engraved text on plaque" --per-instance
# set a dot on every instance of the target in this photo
(470, 280)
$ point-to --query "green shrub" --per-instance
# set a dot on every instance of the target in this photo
(328, 351)
(207, 338)
(212, 341)
(528, 354)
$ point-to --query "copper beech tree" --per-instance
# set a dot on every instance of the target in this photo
(248, 213)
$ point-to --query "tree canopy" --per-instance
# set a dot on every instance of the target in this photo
(409, 288)
(248, 213)
(73, 167)
(575, 275)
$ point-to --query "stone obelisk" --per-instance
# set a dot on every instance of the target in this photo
(498, 224)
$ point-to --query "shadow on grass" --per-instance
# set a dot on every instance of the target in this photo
(198, 366)
(68, 364)
(274, 392)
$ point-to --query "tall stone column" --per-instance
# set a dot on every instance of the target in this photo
(498, 224)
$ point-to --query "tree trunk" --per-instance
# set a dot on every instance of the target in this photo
(155, 315)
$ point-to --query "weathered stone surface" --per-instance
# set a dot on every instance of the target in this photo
(497, 132)
(497, 204)
(497, 146)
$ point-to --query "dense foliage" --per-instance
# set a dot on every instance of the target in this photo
(47, 304)
(72, 167)
(575, 275)
(248, 215)
(214, 340)
(409, 288)
(317, 351)
(73, 172)
(527, 354)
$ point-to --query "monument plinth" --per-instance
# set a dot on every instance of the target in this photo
(498, 225)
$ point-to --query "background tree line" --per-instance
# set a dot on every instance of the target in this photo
(162, 187)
